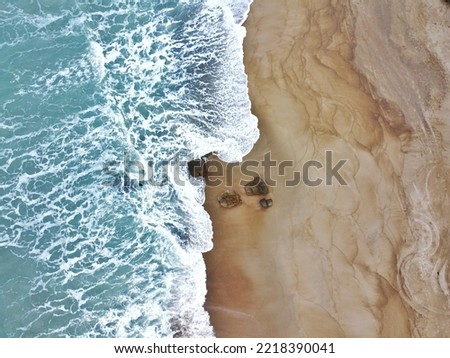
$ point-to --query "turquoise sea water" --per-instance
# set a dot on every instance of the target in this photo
(83, 84)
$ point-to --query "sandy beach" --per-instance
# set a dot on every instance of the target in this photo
(366, 81)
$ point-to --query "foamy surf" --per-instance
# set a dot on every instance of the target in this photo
(87, 85)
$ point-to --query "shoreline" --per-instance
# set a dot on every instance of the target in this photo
(323, 261)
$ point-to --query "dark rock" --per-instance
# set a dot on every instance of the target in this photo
(256, 187)
(266, 203)
(197, 167)
(229, 199)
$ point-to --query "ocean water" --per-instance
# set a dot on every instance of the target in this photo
(83, 86)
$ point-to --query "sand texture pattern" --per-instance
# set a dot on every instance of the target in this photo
(366, 81)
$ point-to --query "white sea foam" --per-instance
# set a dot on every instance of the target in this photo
(97, 58)
(121, 264)
(238, 8)
(232, 138)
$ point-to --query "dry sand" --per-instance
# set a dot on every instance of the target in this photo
(367, 81)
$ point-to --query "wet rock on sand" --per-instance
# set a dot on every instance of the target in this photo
(256, 187)
(229, 199)
(197, 167)
(266, 203)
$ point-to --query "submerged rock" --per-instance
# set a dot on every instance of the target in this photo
(256, 187)
(229, 199)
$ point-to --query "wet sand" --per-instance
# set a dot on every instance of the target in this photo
(364, 259)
